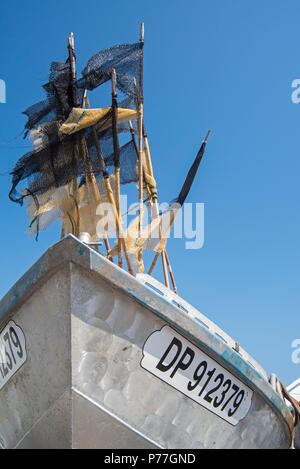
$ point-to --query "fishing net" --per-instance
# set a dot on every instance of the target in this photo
(62, 89)
(68, 151)
(128, 163)
(72, 207)
(124, 58)
(39, 113)
(58, 156)
(63, 94)
(69, 143)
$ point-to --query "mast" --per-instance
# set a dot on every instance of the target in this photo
(72, 60)
(141, 104)
(111, 197)
(116, 155)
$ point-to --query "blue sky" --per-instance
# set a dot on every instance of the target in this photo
(222, 65)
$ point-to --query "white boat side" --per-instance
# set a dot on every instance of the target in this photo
(85, 323)
(200, 318)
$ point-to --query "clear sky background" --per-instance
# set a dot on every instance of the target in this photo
(225, 65)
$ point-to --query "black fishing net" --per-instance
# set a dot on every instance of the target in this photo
(62, 96)
(46, 168)
(124, 127)
(38, 113)
(63, 159)
(128, 163)
(124, 58)
(61, 91)
(59, 159)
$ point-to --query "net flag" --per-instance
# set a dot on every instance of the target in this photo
(62, 135)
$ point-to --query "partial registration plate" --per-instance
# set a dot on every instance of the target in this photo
(178, 362)
(12, 352)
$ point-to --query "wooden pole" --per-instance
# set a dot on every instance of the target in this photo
(72, 56)
(116, 155)
(72, 59)
(153, 263)
(163, 260)
(207, 135)
(94, 186)
(90, 181)
(162, 252)
(111, 196)
(122, 240)
(149, 164)
(171, 223)
(62, 233)
(141, 103)
(164, 256)
(149, 194)
(171, 273)
(105, 238)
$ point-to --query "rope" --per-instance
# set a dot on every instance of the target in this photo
(284, 394)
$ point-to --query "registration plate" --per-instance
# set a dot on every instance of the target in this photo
(12, 352)
(181, 364)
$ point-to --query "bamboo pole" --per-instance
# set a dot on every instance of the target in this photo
(157, 254)
(164, 264)
(153, 263)
(90, 181)
(85, 103)
(149, 194)
(140, 105)
(207, 135)
(62, 233)
(111, 196)
(155, 205)
(117, 193)
(171, 222)
(164, 255)
(72, 59)
(171, 273)
(153, 200)
(150, 167)
(72, 56)
(164, 258)
(122, 240)
(116, 155)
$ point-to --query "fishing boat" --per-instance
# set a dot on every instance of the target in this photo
(94, 351)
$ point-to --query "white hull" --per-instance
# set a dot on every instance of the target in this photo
(82, 385)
